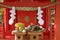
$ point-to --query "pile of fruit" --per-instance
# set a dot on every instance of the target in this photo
(20, 27)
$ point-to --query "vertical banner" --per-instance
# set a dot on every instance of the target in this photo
(12, 15)
(40, 20)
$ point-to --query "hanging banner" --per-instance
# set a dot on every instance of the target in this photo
(40, 20)
(12, 15)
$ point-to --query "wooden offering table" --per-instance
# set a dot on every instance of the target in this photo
(35, 35)
(19, 35)
(28, 35)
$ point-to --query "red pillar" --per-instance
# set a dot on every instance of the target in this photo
(57, 23)
(4, 24)
(6, 19)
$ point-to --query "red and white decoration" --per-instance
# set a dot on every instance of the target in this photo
(12, 15)
(40, 20)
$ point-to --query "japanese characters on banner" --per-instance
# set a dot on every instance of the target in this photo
(40, 20)
(12, 15)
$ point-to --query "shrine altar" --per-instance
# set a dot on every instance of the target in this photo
(28, 35)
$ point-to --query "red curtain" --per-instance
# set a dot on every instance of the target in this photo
(31, 14)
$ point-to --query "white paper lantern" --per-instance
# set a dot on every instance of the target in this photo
(12, 11)
(12, 15)
(41, 21)
(11, 22)
(40, 16)
(13, 18)
(39, 10)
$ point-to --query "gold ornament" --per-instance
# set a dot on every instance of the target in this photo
(26, 18)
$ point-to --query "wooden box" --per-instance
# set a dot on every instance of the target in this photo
(35, 35)
(19, 35)
(28, 35)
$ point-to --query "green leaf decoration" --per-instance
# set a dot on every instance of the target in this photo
(52, 1)
(1, 9)
(52, 16)
(26, 18)
(1, 14)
